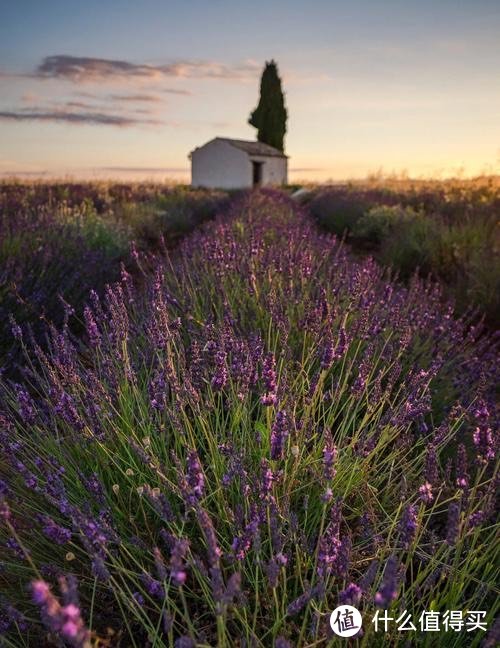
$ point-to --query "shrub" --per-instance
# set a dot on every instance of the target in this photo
(338, 211)
(268, 429)
(411, 247)
(379, 223)
(454, 237)
(171, 215)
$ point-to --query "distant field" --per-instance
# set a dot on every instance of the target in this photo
(60, 241)
(446, 229)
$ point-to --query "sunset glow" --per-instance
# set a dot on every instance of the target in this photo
(122, 89)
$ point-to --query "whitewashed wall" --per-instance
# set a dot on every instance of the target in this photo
(220, 165)
(274, 171)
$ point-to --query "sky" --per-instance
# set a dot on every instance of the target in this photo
(122, 88)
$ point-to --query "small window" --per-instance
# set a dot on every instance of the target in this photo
(257, 173)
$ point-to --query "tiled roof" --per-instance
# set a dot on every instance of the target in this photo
(253, 148)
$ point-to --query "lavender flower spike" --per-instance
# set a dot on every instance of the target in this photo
(388, 590)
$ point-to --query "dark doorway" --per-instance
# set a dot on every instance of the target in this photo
(257, 173)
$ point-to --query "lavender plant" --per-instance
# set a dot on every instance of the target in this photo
(445, 228)
(57, 242)
(267, 429)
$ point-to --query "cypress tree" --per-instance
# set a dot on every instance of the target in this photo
(269, 118)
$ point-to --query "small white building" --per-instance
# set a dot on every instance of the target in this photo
(224, 163)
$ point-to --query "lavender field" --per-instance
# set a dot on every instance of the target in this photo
(215, 443)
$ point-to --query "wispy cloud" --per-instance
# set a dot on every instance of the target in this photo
(71, 117)
(135, 98)
(30, 98)
(80, 105)
(81, 69)
(176, 91)
(149, 98)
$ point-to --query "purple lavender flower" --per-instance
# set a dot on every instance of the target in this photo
(41, 592)
(476, 519)
(91, 327)
(329, 545)
(242, 543)
(213, 549)
(65, 407)
(483, 440)
(55, 532)
(425, 492)
(483, 435)
(217, 587)
(269, 373)
(14, 546)
(184, 642)
(327, 495)
(329, 457)
(388, 589)
(10, 617)
(269, 377)
(158, 390)
(220, 376)
(195, 477)
(492, 639)
(177, 561)
(272, 570)
(268, 399)
(281, 642)
(344, 557)
(94, 533)
(360, 382)
(351, 595)
(27, 408)
(153, 586)
(137, 596)
(279, 434)
(328, 353)
(99, 569)
(431, 466)
(298, 604)
(16, 330)
(93, 485)
(408, 525)
(267, 480)
(233, 589)
(65, 621)
(159, 564)
(453, 524)
(342, 343)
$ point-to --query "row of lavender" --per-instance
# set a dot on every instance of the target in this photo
(59, 241)
(268, 429)
(448, 229)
